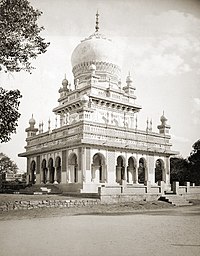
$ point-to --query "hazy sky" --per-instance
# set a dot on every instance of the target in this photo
(160, 43)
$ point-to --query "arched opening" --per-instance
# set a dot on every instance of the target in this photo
(142, 171)
(98, 168)
(58, 170)
(44, 171)
(120, 169)
(131, 170)
(51, 171)
(73, 168)
(159, 170)
(32, 179)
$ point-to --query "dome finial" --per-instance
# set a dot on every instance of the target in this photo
(97, 22)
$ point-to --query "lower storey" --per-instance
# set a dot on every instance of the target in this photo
(86, 169)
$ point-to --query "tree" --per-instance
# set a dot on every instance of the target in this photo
(19, 33)
(179, 170)
(20, 42)
(194, 163)
(9, 115)
(7, 165)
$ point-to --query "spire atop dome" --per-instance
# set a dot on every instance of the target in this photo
(97, 22)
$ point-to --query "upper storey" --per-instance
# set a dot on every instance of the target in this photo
(100, 51)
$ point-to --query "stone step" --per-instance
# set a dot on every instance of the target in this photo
(41, 189)
(81, 195)
(175, 200)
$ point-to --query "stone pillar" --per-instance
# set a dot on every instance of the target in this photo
(118, 174)
(175, 187)
(135, 177)
(162, 187)
(187, 184)
(148, 184)
(64, 167)
(42, 176)
(124, 174)
(130, 175)
(48, 175)
(55, 176)
(83, 167)
(167, 171)
(104, 173)
(93, 170)
(124, 185)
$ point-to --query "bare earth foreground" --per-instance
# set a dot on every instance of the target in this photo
(141, 228)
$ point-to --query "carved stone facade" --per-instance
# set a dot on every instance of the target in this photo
(98, 141)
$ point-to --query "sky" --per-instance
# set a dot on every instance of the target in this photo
(160, 44)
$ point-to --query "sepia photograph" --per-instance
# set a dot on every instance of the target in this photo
(99, 127)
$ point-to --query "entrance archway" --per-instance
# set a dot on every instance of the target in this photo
(44, 171)
(51, 171)
(159, 170)
(98, 168)
(120, 169)
(142, 170)
(73, 168)
(33, 172)
(58, 170)
(131, 170)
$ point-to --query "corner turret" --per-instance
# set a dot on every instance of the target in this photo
(163, 127)
(31, 130)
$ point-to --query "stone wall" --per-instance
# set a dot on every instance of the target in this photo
(28, 205)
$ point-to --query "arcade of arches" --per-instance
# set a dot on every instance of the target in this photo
(50, 170)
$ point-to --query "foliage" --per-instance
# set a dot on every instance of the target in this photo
(19, 32)
(194, 163)
(20, 43)
(9, 115)
(7, 165)
(179, 170)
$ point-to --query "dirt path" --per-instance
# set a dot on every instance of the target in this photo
(156, 232)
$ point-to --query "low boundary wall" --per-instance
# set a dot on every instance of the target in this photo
(189, 191)
(28, 205)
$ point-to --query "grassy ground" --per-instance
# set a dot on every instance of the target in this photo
(114, 209)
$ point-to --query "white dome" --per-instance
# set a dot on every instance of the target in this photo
(96, 48)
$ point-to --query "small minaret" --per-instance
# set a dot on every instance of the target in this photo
(64, 89)
(31, 130)
(163, 127)
(129, 88)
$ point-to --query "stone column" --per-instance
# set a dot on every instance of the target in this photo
(55, 176)
(48, 175)
(175, 187)
(187, 184)
(118, 174)
(167, 171)
(135, 173)
(130, 173)
(93, 173)
(42, 176)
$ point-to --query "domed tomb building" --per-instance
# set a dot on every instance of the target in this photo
(98, 145)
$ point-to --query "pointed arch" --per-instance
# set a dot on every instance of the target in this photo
(32, 178)
(73, 168)
(142, 170)
(98, 168)
(159, 170)
(120, 169)
(44, 171)
(51, 171)
(131, 170)
(57, 170)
